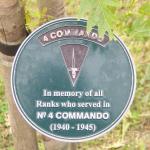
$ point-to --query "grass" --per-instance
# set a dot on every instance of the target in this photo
(5, 134)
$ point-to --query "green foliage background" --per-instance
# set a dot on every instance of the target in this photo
(130, 19)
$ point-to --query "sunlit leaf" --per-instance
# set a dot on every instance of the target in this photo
(145, 8)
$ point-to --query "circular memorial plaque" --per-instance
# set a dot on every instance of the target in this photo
(72, 85)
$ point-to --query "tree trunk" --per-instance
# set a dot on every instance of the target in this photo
(12, 33)
(53, 9)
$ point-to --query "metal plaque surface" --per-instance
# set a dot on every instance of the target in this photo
(72, 85)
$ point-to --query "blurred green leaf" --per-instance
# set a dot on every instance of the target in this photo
(145, 8)
(112, 3)
(99, 13)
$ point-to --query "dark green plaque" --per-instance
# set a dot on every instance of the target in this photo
(72, 85)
